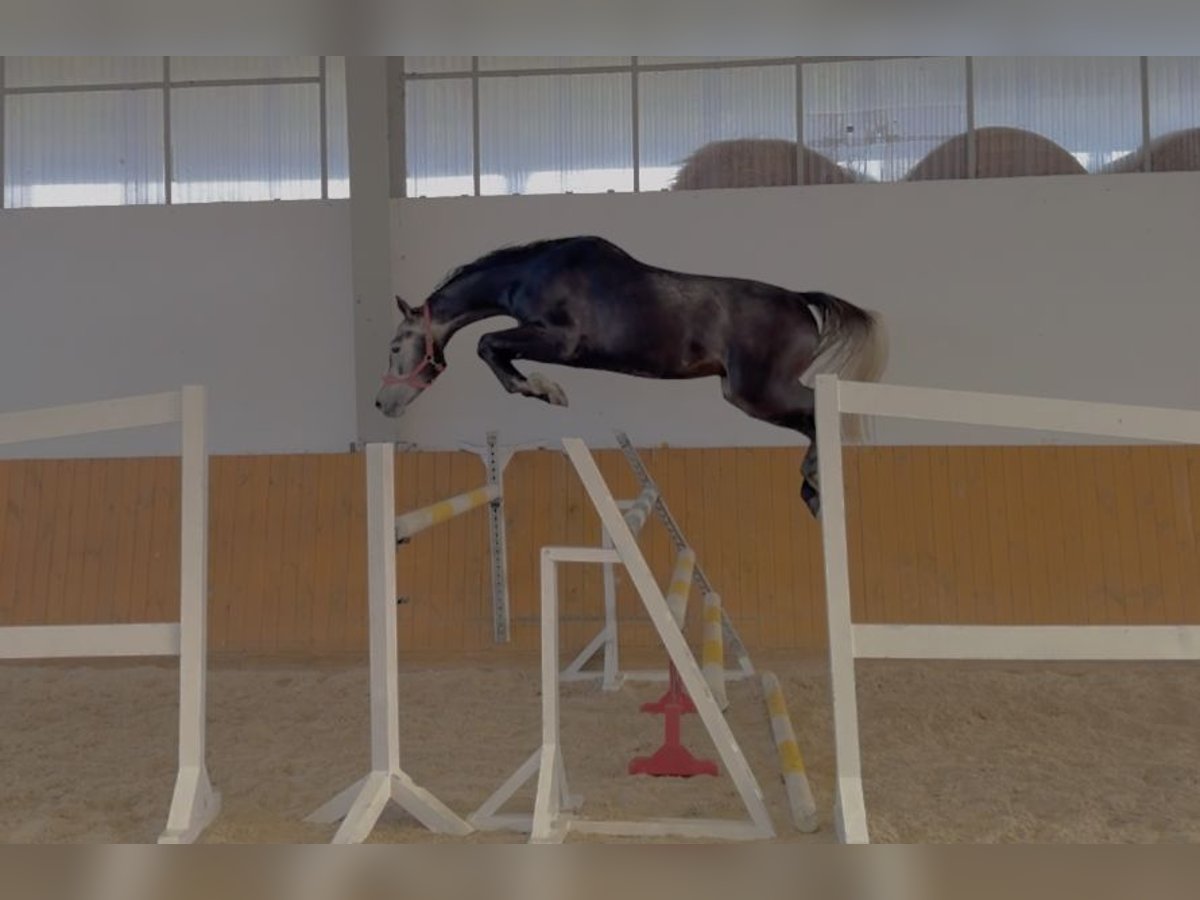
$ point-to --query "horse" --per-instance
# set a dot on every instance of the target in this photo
(586, 303)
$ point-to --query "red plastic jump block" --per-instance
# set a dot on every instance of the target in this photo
(672, 759)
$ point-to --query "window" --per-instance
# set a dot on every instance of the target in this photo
(246, 142)
(1174, 88)
(554, 134)
(98, 148)
(96, 131)
(682, 110)
(438, 129)
(1057, 115)
(880, 118)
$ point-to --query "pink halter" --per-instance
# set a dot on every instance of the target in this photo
(429, 361)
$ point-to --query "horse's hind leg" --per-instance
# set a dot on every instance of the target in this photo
(499, 348)
(782, 401)
(805, 423)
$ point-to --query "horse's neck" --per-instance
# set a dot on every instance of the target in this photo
(462, 305)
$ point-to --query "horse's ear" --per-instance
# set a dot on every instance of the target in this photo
(405, 310)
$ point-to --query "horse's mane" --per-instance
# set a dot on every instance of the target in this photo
(500, 257)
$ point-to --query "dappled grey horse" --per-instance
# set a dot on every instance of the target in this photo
(586, 303)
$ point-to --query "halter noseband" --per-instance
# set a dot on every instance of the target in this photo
(428, 362)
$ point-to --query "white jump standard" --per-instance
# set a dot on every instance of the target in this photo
(555, 812)
(361, 804)
(849, 641)
(607, 639)
(194, 803)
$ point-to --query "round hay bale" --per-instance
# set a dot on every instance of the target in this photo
(999, 153)
(755, 162)
(1178, 151)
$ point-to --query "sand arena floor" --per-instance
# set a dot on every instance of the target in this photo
(953, 752)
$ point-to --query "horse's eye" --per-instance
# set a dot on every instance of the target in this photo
(395, 349)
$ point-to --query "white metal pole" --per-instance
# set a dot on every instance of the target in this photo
(381, 595)
(194, 803)
(193, 577)
(851, 808)
(612, 659)
(549, 648)
(546, 806)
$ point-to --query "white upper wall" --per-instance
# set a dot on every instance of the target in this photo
(1082, 287)
(252, 300)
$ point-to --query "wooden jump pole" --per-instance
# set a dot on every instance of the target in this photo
(681, 585)
(639, 510)
(712, 650)
(418, 520)
(791, 763)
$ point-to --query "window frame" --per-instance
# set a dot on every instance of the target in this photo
(169, 86)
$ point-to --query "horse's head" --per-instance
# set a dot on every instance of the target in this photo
(415, 359)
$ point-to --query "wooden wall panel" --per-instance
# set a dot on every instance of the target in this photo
(1043, 534)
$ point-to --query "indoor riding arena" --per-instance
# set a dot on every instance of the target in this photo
(599, 449)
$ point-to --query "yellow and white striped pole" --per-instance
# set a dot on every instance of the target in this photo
(800, 798)
(635, 516)
(712, 650)
(419, 519)
(681, 585)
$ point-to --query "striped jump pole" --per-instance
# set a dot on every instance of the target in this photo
(712, 650)
(639, 510)
(419, 519)
(681, 585)
(791, 763)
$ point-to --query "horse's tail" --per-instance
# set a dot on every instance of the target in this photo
(852, 344)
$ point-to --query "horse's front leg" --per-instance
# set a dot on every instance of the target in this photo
(499, 348)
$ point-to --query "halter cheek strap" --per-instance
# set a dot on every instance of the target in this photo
(429, 362)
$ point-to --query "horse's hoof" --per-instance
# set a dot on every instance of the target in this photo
(812, 499)
(545, 389)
